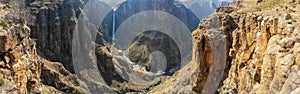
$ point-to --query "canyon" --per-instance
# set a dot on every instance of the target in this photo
(246, 47)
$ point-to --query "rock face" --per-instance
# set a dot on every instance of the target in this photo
(55, 75)
(132, 7)
(150, 41)
(211, 43)
(264, 49)
(178, 10)
(263, 54)
(22, 70)
(53, 27)
(18, 59)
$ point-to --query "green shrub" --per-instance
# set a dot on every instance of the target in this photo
(288, 16)
(3, 24)
(1, 82)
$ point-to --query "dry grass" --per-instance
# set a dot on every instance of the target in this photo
(270, 4)
(265, 5)
(279, 8)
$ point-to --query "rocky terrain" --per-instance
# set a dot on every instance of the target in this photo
(252, 47)
(22, 69)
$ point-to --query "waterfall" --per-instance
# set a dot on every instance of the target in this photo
(114, 24)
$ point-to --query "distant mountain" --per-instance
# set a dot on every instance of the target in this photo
(131, 7)
(203, 8)
(189, 12)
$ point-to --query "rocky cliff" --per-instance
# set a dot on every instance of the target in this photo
(265, 55)
(22, 69)
(242, 51)
(18, 59)
(53, 26)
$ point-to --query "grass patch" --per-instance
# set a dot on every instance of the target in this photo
(1, 82)
(3, 24)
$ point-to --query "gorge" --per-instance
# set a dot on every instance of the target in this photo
(149, 46)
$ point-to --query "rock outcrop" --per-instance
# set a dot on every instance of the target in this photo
(18, 58)
(211, 43)
(22, 70)
(264, 49)
(263, 55)
(53, 27)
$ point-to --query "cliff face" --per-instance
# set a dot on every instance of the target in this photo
(129, 8)
(53, 27)
(22, 69)
(211, 43)
(18, 59)
(265, 51)
(263, 54)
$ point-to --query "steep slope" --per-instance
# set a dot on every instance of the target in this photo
(53, 26)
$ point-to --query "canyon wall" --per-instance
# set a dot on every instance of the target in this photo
(53, 28)
(211, 43)
(18, 59)
(22, 70)
(263, 54)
